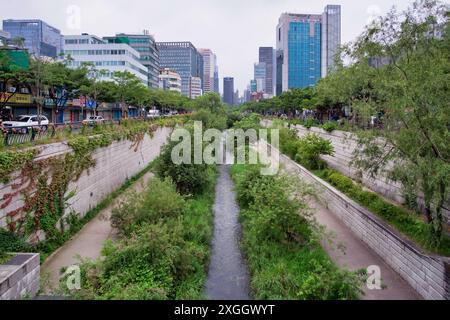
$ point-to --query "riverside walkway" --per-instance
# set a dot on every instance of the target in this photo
(86, 244)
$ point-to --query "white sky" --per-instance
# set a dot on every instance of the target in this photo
(233, 29)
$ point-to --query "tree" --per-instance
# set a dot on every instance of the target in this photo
(127, 85)
(410, 88)
(11, 75)
(97, 89)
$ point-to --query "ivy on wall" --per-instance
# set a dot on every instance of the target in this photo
(44, 184)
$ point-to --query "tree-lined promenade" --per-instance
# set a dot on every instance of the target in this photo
(47, 80)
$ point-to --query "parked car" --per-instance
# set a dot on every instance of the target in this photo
(94, 120)
(25, 122)
(153, 114)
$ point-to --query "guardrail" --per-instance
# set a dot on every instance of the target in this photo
(25, 134)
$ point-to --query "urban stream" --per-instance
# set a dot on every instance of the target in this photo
(228, 277)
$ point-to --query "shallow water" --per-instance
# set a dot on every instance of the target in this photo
(228, 277)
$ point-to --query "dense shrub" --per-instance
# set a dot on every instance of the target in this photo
(188, 178)
(309, 150)
(281, 244)
(10, 242)
(308, 123)
(159, 201)
(161, 254)
(252, 121)
(210, 119)
(330, 126)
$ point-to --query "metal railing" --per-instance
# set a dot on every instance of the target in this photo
(25, 134)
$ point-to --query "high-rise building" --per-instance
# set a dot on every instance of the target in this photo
(210, 70)
(195, 87)
(216, 80)
(260, 76)
(331, 37)
(109, 57)
(228, 90)
(169, 80)
(299, 47)
(253, 86)
(4, 37)
(183, 58)
(236, 99)
(40, 39)
(306, 45)
(146, 46)
(267, 56)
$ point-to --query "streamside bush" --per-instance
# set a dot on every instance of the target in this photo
(188, 178)
(330, 126)
(162, 253)
(160, 201)
(309, 150)
(281, 242)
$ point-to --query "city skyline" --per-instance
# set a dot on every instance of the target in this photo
(254, 23)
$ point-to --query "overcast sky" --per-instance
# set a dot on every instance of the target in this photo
(233, 29)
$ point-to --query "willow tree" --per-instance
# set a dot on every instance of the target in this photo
(401, 69)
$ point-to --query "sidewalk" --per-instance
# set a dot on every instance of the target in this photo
(357, 255)
(87, 243)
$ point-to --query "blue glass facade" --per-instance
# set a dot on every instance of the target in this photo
(304, 52)
(40, 38)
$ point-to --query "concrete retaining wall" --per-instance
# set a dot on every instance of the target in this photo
(344, 144)
(429, 275)
(114, 165)
(19, 278)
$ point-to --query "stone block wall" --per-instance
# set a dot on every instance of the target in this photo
(344, 144)
(114, 165)
(428, 274)
(19, 277)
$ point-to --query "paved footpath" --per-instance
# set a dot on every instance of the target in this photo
(357, 255)
(87, 243)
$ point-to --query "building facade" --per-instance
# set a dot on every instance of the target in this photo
(228, 90)
(331, 37)
(4, 37)
(183, 58)
(146, 46)
(109, 57)
(195, 87)
(260, 73)
(169, 80)
(210, 70)
(306, 47)
(267, 56)
(216, 80)
(40, 39)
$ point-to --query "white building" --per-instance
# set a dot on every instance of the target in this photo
(209, 70)
(110, 57)
(195, 87)
(169, 80)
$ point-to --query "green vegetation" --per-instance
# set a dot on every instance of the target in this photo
(307, 152)
(163, 248)
(403, 220)
(281, 242)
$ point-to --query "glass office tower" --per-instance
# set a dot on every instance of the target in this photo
(40, 38)
(331, 37)
(306, 47)
(266, 55)
(228, 90)
(183, 58)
